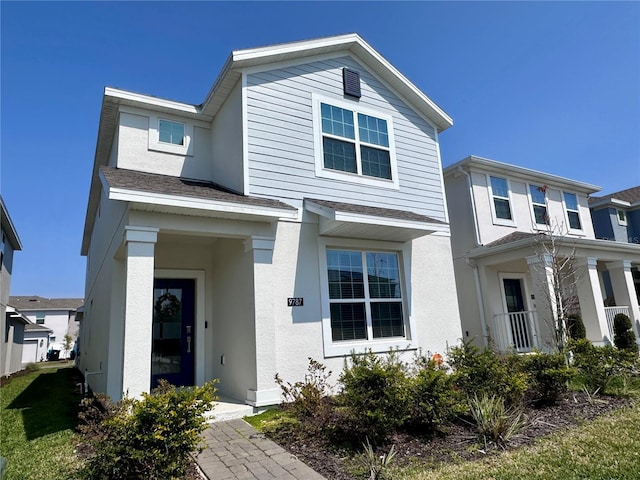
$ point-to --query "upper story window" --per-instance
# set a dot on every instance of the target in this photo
(39, 318)
(354, 144)
(500, 196)
(539, 204)
(171, 132)
(170, 136)
(573, 214)
(622, 217)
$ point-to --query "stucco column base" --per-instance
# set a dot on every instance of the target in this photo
(592, 302)
(138, 315)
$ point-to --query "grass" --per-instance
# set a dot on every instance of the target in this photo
(606, 448)
(38, 413)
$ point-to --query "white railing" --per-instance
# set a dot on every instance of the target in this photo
(610, 313)
(515, 331)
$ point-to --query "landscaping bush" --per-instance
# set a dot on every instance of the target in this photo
(575, 326)
(307, 398)
(375, 396)
(624, 337)
(598, 366)
(478, 371)
(149, 438)
(548, 377)
(433, 399)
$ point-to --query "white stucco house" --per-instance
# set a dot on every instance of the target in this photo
(500, 218)
(297, 212)
(58, 315)
(11, 322)
(36, 343)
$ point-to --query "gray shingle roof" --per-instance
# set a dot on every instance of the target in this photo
(375, 211)
(183, 187)
(34, 327)
(513, 237)
(34, 302)
(630, 195)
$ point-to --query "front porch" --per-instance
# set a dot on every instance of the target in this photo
(517, 288)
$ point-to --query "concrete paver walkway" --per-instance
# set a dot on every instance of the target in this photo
(235, 451)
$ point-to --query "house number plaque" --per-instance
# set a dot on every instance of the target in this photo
(295, 302)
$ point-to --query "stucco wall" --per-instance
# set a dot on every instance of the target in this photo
(226, 142)
(134, 152)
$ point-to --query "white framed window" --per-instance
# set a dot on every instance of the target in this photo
(538, 199)
(353, 143)
(500, 197)
(40, 318)
(170, 135)
(622, 217)
(573, 212)
(170, 132)
(364, 300)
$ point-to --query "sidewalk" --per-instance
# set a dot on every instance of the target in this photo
(236, 451)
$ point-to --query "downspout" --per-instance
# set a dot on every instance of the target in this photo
(471, 263)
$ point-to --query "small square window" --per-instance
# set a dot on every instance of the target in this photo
(171, 132)
(40, 319)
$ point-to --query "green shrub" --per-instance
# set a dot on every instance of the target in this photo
(307, 398)
(598, 366)
(575, 326)
(623, 336)
(478, 371)
(548, 377)
(149, 438)
(433, 399)
(494, 421)
(374, 397)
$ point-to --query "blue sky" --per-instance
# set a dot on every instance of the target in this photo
(550, 86)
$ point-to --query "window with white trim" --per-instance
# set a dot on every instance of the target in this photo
(354, 144)
(40, 318)
(573, 214)
(539, 204)
(365, 295)
(500, 194)
(170, 132)
(622, 217)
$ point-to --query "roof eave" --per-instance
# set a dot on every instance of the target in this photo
(9, 228)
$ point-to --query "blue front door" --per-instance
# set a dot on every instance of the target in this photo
(172, 351)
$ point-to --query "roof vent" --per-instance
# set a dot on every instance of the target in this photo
(351, 82)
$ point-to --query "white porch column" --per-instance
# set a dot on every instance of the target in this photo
(592, 301)
(138, 314)
(265, 392)
(544, 300)
(623, 287)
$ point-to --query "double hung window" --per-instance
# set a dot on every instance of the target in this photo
(539, 204)
(500, 193)
(573, 214)
(622, 217)
(365, 295)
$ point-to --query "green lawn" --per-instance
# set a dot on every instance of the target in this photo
(38, 413)
(606, 448)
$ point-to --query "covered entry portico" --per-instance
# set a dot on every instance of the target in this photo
(515, 280)
(193, 289)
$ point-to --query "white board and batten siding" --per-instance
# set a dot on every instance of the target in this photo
(280, 140)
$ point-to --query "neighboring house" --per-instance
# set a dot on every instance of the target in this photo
(36, 343)
(499, 216)
(617, 216)
(297, 212)
(11, 323)
(56, 314)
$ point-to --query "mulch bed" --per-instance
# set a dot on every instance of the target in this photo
(460, 444)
